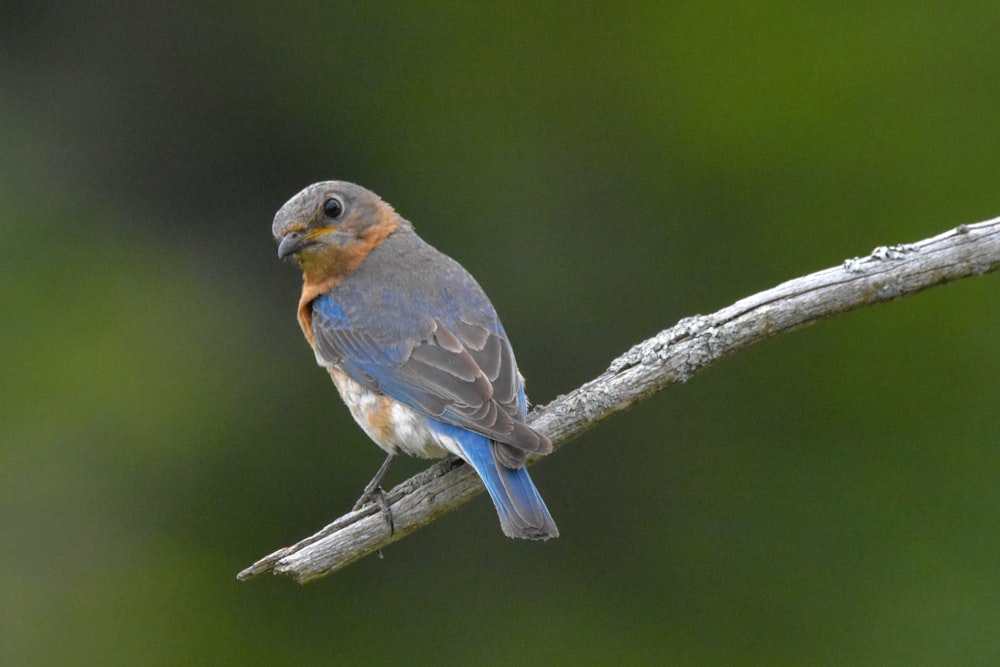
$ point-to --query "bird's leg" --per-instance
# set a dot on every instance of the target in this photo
(373, 492)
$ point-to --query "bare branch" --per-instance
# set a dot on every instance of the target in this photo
(673, 355)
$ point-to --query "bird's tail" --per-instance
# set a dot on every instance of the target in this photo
(522, 511)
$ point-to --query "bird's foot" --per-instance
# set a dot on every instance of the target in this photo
(374, 493)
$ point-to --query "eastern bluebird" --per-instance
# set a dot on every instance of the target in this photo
(413, 345)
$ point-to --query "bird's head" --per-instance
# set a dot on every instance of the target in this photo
(331, 227)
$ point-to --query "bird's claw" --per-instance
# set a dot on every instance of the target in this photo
(374, 493)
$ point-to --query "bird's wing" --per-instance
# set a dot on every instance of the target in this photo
(460, 373)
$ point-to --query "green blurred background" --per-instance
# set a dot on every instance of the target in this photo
(830, 497)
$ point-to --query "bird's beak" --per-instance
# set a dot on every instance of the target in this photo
(292, 243)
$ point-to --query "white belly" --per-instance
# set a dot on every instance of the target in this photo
(393, 426)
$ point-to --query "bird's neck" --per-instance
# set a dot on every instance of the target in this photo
(323, 271)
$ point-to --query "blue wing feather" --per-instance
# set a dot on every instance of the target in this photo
(441, 381)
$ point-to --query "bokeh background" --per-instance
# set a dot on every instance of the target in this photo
(829, 497)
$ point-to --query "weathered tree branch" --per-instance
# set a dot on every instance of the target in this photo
(673, 355)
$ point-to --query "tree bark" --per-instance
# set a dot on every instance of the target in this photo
(671, 356)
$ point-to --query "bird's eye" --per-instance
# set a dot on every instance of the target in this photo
(333, 207)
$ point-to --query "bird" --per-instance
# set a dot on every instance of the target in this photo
(413, 345)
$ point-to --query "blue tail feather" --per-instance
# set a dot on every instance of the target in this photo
(521, 510)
